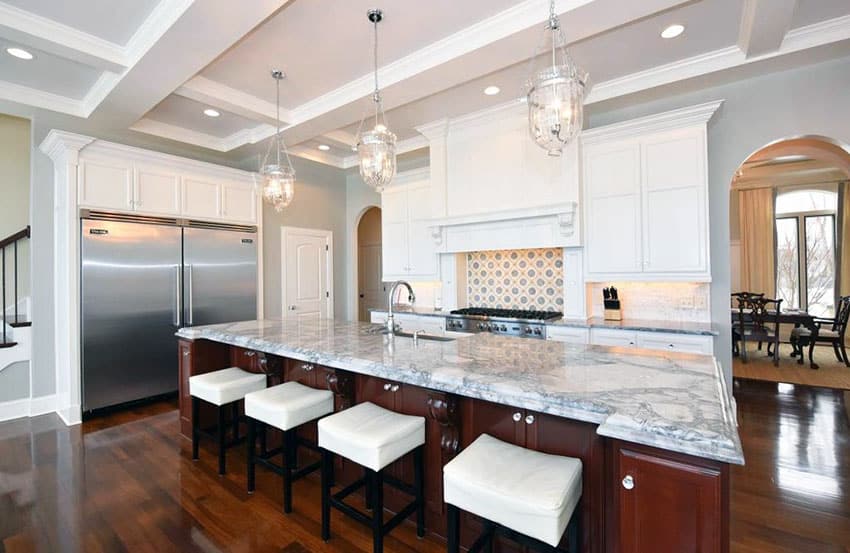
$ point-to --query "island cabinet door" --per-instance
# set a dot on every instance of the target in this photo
(301, 372)
(668, 504)
(571, 438)
(245, 359)
(197, 357)
(377, 391)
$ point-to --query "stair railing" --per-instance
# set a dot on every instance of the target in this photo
(11, 241)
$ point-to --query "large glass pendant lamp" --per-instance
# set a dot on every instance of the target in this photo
(555, 92)
(376, 145)
(276, 170)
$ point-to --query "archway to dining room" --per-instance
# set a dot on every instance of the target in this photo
(370, 289)
(790, 263)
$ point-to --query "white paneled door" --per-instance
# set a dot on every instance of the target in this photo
(306, 273)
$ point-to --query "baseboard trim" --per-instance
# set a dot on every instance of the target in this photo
(43, 405)
(27, 407)
(72, 415)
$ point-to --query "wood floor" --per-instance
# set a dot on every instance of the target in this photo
(125, 483)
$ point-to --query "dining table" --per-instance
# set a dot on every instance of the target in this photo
(796, 317)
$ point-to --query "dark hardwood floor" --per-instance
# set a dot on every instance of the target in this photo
(125, 482)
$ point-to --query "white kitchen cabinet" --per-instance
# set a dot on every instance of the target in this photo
(156, 191)
(646, 190)
(568, 334)
(201, 198)
(106, 185)
(669, 341)
(408, 250)
(613, 337)
(238, 202)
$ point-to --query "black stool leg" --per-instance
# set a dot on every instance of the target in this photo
(221, 442)
(196, 426)
(289, 445)
(377, 512)
(252, 443)
(419, 487)
(367, 479)
(327, 467)
(572, 533)
(452, 529)
(234, 416)
(263, 445)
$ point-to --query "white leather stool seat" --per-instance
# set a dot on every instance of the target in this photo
(225, 386)
(288, 405)
(370, 435)
(527, 491)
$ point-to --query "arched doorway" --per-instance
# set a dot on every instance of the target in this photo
(790, 229)
(370, 292)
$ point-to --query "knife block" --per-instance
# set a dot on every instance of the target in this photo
(613, 311)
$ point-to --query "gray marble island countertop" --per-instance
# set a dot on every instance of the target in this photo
(673, 401)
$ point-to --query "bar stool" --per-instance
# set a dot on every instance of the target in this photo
(221, 388)
(285, 407)
(372, 437)
(524, 495)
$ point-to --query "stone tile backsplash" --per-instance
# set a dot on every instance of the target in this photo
(663, 301)
(516, 279)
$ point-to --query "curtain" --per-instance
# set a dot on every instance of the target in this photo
(844, 240)
(758, 241)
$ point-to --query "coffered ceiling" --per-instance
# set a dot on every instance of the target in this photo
(154, 66)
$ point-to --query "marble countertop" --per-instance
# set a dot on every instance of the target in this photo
(673, 401)
(646, 325)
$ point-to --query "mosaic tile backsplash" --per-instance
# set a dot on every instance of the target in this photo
(516, 279)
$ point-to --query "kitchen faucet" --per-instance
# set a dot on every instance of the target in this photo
(411, 296)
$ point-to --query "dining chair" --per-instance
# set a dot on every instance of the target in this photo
(736, 337)
(758, 321)
(829, 331)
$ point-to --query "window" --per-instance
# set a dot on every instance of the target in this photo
(805, 250)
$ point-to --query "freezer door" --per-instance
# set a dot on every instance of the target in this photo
(130, 311)
(219, 276)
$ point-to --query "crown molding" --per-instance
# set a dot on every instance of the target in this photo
(63, 146)
(40, 99)
(691, 115)
(180, 134)
(207, 91)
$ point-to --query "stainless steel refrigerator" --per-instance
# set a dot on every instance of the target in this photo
(141, 280)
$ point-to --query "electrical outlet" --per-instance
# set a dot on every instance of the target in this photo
(686, 302)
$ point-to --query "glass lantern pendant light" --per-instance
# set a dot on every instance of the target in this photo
(276, 169)
(376, 146)
(555, 93)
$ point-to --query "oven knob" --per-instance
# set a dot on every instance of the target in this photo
(503, 328)
(528, 330)
(480, 326)
(537, 331)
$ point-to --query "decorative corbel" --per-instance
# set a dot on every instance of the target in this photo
(341, 383)
(444, 409)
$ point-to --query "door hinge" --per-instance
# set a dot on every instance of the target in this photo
(327, 248)
(327, 294)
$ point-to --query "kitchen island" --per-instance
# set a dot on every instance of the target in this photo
(655, 431)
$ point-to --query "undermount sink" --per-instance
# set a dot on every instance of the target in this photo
(430, 337)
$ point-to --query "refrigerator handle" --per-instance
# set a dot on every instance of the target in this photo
(178, 300)
(190, 315)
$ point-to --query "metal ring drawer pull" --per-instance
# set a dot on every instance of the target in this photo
(307, 367)
(517, 416)
(250, 353)
(387, 387)
(628, 482)
(394, 388)
(529, 419)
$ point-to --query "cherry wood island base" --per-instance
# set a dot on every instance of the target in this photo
(635, 499)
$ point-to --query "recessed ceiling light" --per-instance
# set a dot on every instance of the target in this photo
(19, 53)
(324, 147)
(492, 90)
(210, 112)
(673, 31)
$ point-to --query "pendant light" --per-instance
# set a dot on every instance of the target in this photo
(555, 93)
(376, 146)
(276, 170)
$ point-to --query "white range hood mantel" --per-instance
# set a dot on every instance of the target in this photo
(537, 227)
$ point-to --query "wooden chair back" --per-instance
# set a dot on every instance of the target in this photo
(842, 314)
(756, 313)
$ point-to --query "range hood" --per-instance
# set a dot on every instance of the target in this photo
(554, 226)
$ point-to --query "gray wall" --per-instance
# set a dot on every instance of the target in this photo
(320, 197)
(760, 110)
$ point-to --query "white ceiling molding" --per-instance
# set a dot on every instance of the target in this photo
(29, 29)
(811, 36)
(340, 138)
(39, 98)
(180, 134)
(764, 24)
(218, 95)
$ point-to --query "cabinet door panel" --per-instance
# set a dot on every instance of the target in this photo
(422, 252)
(394, 245)
(568, 335)
(613, 237)
(674, 233)
(157, 192)
(676, 342)
(370, 388)
(301, 372)
(106, 186)
(618, 338)
(201, 199)
(239, 203)
(672, 507)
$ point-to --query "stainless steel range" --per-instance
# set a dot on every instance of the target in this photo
(509, 322)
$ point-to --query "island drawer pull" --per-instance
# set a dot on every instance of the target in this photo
(250, 353)
(387, 387)
(517, 416)
(394, 388)
(628, 482)
(529, 419)
(307, 367)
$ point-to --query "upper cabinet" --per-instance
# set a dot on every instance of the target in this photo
(646, 198)
(121, 178)
(408, 247)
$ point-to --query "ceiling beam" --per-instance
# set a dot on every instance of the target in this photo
(764, 24)
(221, 96)
(30, 30)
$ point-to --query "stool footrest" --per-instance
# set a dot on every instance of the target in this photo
(356, 514)
(349, 489)
(399, 517)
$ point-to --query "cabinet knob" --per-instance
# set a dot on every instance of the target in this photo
(307, 367)
(394, 388)
(387, 387)
(517, 416)
(249, 353)
(628, 482)
(186, 353)
(529, 419)
(671, 346)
